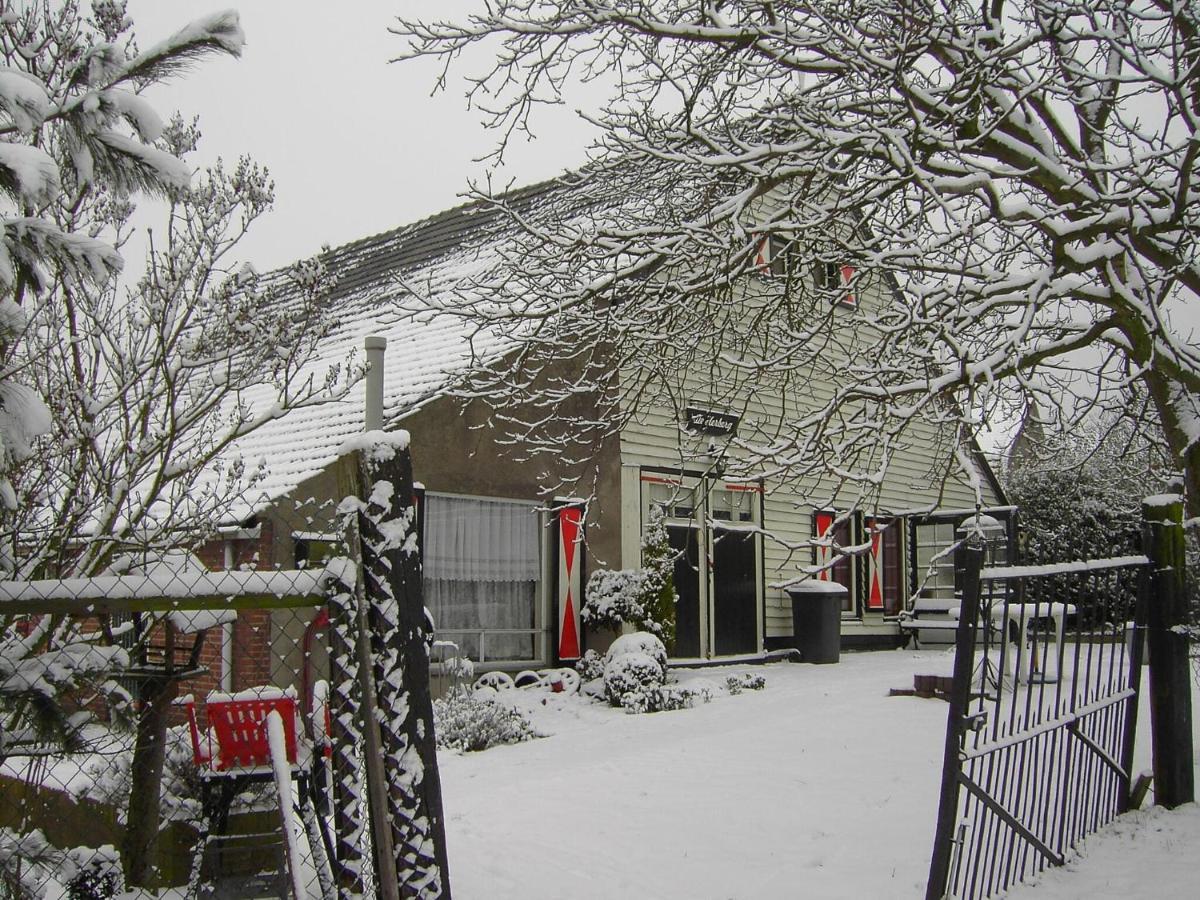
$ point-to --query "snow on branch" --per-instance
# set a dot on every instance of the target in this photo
(218, 32)
(930, 214)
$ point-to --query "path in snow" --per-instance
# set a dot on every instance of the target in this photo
(820, 786)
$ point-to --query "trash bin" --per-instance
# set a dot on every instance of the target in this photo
(817, 620)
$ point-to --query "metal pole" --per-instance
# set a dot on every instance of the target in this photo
(373, 408)
(960, 697)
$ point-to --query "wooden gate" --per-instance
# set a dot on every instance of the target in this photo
(1039, 740)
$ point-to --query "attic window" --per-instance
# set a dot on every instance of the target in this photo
(834, 277)
(771, 258)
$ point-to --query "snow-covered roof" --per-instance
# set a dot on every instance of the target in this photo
(424, 355)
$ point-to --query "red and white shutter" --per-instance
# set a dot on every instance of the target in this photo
(762, 258)
(823, 528)
(570, 582)
(875, 564)
(847, 273)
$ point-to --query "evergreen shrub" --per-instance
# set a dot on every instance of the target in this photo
(644, 598)
(590, 666)
(471, 723)
(631, 672)
(661, 699)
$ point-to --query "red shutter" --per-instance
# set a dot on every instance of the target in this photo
(823, 553)
(893, 567)
(876, 561)
(570, 581)
(847, 273)
(762, 258)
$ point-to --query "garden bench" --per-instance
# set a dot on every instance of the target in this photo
(932, 615)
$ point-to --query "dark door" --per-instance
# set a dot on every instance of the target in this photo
(687, 585)
(735, 582)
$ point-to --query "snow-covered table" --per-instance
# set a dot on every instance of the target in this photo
(1014, 620)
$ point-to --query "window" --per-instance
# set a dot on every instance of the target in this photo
(675, 501)
(837, 532)
(732, 505)
(772, 255)
(482, 565)
(832, 277)
(934, 544)
(312, 549)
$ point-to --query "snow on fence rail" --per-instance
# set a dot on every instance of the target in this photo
(1004, 573)
(184, 590)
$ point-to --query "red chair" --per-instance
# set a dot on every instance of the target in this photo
(239, 726)
(241, 755)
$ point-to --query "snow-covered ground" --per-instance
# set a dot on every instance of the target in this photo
(819, 786)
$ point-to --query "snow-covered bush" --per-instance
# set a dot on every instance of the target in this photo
(99, 876)
(460, 670)
(735, 684)
(28, 862)
(644, 598)
(1078, 502)
(109, 775)
(631, 672)
(660, 699)
(639, 642)
(612, 598)
(590, 666)
(658, 562)
(470, 723)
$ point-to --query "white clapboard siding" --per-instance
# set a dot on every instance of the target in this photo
(653, 438)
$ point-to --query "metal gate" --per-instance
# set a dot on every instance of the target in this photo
(1039, 740)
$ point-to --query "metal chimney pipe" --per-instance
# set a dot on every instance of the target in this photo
(373, 410)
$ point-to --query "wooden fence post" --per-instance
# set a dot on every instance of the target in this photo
(400, 656)
(1170, 682)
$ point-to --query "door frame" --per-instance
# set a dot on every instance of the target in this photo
(703, 486)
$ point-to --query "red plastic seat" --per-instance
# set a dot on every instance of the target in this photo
(238, 723)
(240, 729)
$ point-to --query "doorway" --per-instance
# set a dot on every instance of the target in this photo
(712, 527)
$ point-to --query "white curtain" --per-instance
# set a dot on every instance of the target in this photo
(481, 567)
(473, 539)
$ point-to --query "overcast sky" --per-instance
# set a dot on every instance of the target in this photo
(355, 143)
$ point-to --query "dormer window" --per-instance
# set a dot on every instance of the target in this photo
(834, 277)
(772, 255)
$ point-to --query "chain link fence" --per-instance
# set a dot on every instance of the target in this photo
(200, 725)
(176, 692)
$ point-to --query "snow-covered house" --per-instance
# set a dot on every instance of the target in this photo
(507, 549)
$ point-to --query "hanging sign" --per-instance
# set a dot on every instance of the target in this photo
(712, 422)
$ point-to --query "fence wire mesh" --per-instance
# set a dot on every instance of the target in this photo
(167, 730)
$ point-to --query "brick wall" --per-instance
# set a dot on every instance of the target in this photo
(251, 652)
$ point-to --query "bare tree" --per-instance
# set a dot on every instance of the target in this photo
(1016, 181)
(157, 380)
(117, 402)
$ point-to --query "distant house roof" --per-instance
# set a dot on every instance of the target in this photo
(424, 354)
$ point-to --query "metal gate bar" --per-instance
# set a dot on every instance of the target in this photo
(1039, 736)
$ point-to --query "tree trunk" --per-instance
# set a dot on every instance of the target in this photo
(1185, 450)
(149, 754)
